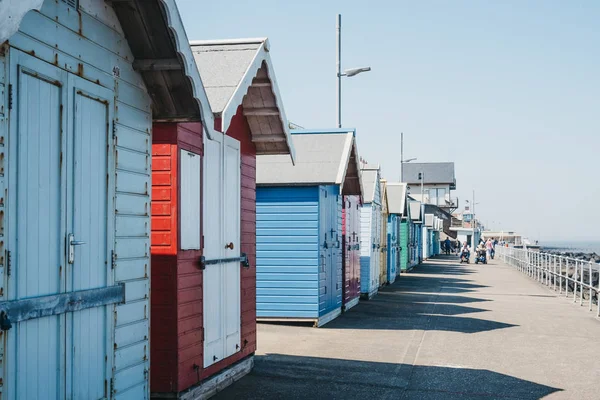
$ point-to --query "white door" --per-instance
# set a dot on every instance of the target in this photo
(231, 279)
(221, 281)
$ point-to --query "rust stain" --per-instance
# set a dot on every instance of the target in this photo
(32, 52)
(80, 69)
(56, 59)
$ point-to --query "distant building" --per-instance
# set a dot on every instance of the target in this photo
(438, 182)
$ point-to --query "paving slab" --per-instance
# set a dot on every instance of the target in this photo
(444, 331)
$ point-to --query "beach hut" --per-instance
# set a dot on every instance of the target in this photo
(203, 247)
(370, 231)
(388, 243)
(397, 210)
(351, 253)
(81, 84)
(299, 227)
(416, 233)
(428, 227)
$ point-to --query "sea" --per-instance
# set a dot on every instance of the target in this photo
(572, 246)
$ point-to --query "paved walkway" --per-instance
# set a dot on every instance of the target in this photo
(444, 331)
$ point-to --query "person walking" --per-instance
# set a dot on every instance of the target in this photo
(489, 246)
(447, 246)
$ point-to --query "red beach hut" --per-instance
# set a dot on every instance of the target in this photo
(204, 222)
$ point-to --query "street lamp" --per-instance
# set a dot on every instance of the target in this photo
(349, 72)
(402, 160)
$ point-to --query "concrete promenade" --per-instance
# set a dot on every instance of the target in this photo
(444, 331)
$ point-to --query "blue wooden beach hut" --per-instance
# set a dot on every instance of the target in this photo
(82, 82)
(299, 226)
(397, 212)
(370, 231)
(416, 233)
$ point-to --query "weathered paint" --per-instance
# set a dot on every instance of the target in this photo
(299, 274)
(370, 244)
(351, 253)
(176, 292)
(97, 104)
(393, 266)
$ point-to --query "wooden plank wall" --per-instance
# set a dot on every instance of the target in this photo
(83, 45)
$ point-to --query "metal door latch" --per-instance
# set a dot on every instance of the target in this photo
(242, 259)
(72, 243)
(5, 323)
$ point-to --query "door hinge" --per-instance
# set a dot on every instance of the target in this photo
(113, 259)
(10, 96)
(112, 387)
(202, 244)
(8, 263)
(114, 130)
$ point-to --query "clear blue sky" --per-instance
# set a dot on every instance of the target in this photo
(509, 91)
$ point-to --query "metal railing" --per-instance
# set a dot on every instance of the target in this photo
(575, 278)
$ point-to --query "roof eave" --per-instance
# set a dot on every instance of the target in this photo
(230, 110)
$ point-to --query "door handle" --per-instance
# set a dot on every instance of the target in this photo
(229, 246)
(72, 243)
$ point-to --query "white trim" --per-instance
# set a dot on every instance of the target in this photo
(223, 42)
(343, 167)
(217, 383)
(262, 55)
(13, 11)
(328, 317)
(352, 303)
(189, 64)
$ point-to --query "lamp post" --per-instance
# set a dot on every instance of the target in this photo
(349, 72)
(402, 160)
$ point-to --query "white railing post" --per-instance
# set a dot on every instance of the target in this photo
(581, 285)
(575, 281)
(590, 291)
(560, 275)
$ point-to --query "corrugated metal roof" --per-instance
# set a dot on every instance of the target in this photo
(222, 68)
(320, 159)
(396, 197)
(433, 172)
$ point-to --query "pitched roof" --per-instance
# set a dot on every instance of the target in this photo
(432, 173)
(396, 197)
(322, 157)
(384, 196)
(156, 35)
(415, 210)
(369, 177)
(240, 72)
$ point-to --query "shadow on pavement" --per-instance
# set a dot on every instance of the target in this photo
(428, 300)
(277, 376)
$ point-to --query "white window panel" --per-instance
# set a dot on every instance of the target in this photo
(190, 200)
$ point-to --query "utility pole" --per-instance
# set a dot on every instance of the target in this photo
(338, 32)
(401, 156)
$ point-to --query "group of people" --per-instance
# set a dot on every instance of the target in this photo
(487, 246)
